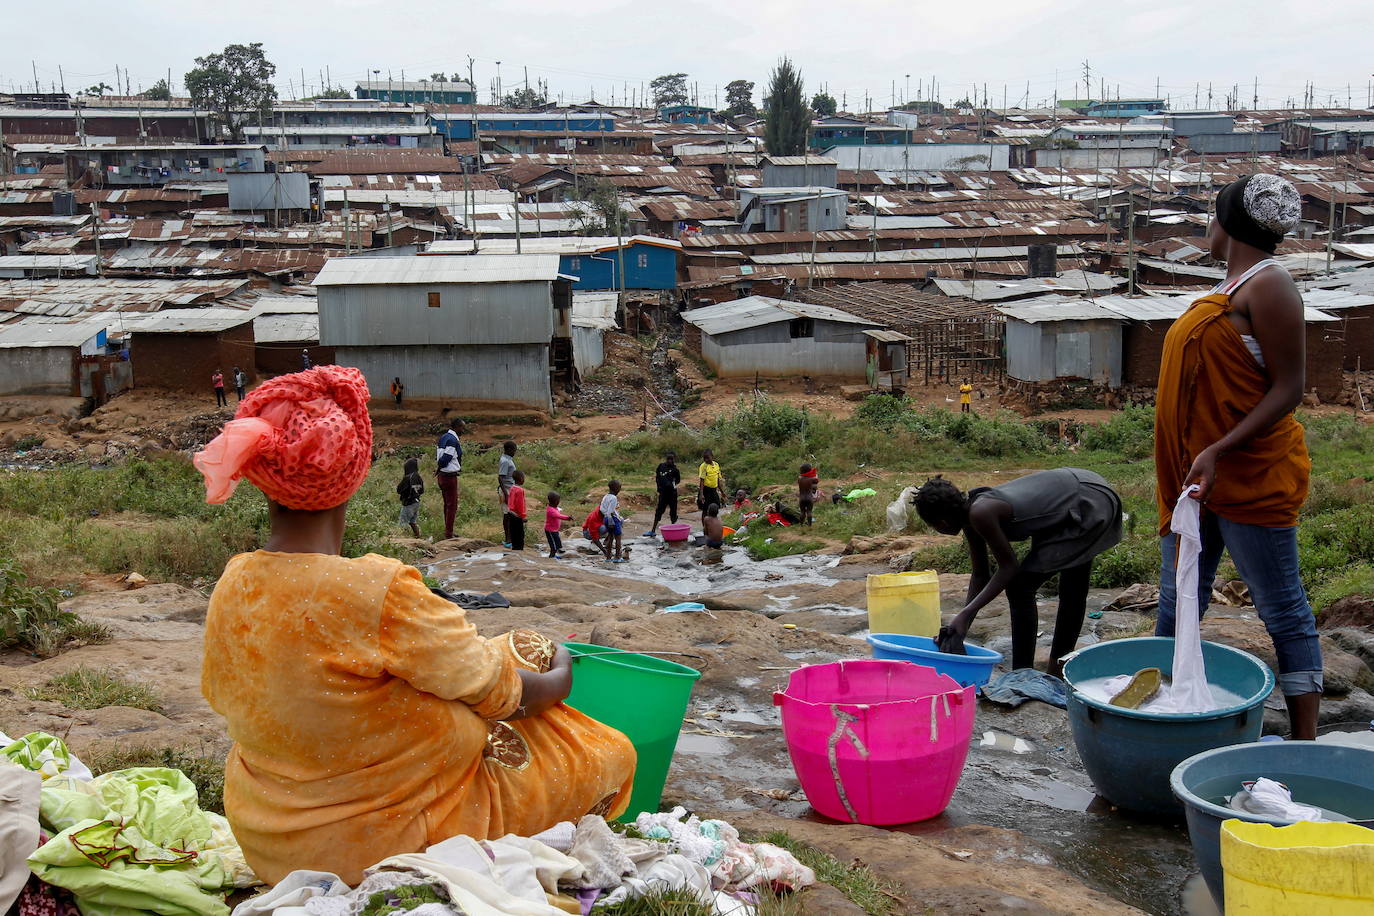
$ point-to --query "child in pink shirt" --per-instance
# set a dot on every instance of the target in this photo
(553, 522)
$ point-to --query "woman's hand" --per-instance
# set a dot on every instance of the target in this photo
(543, 691)
(1203, 472)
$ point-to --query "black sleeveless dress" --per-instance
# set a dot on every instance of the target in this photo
(1070, 515)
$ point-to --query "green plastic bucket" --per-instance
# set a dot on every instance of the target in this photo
(642, 696)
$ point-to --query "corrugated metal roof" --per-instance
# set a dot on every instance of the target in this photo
(799, 160)
(562, 245)
(886, 336)
(476, 268)
(48, 334)
(187, 321)
(1057, 308)
(47, 261)
(756, 311)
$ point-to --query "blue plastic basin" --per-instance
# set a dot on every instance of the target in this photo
(1129, 753)
(1337, 777)
(973, 669)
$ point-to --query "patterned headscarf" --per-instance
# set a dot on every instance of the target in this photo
(1259, 210)
(304, 439)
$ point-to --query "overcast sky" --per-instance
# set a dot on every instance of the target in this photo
(1025, 48)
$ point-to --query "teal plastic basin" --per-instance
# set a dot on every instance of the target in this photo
(1336, 777)
(1129, 754)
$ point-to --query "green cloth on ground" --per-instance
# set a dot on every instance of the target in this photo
(860, 494)
(40, 752)
(135, 841)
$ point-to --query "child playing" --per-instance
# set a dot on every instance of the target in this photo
(610, 516)
(515, 512)
(554, 518)
(808, 485)
(593, 528)
(410, 489)
(712, 527)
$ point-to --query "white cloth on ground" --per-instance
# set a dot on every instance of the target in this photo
(475, 893)
(673, 872)
(559, 836)
(19, 792)
(293, 890)
(604, 863)
(1269, 798)
(1189, 690)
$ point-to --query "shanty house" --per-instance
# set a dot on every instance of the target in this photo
(777, 337)
(1059, 338)
(474, 328)
(41, 357)
(799, 172)
(283, 326)
(181, 348)
(802, 209)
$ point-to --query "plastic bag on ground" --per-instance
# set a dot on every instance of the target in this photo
(899, 509)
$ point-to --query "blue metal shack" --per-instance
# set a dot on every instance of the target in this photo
(458, 126)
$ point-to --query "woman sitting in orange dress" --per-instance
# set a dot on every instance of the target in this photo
(368, 717)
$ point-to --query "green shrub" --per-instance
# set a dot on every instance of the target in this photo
(883, 411)
(764, 422)
(946, 557)
(1130, 434)
(31, 619)
(1135, 559)
(1356, 580)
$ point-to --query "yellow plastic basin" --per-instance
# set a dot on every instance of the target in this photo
(1305, 868)
(906, 603)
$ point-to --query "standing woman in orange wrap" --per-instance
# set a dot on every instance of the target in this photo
(369, 719)
(1230, 378)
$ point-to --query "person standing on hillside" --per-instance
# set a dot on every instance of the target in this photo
(217, 379)
(516, 512)
(410, 489)
(966, 397)
(240, 382)
(710, 482)
(449, 456)
(398, 390)
(505, 479)
(1230, 377)
(667, 478)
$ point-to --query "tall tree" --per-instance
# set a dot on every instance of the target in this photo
(526, 97)
(159, 92)
(824, 104)
(601, 213)
(739, 97)
(98, 89)
(438, 78)
(234, 83)
(669, 89)
(788, 118)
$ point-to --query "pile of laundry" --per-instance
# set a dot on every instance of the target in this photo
(136, 841)
(121, 843)
(569, 868)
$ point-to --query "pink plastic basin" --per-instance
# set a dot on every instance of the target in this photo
(678, 531)
(876, 742)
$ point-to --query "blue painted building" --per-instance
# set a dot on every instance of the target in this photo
(650, 263)
(686, 114)
(835, 132)
(458, 126)
(1125, 108)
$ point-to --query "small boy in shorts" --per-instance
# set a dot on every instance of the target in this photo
(808, 484)
(615, 525)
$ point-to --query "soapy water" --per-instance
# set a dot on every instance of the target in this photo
(1103, 689)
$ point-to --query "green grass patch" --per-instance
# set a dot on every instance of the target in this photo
(96, 688)
(206, 771)
(857, 882)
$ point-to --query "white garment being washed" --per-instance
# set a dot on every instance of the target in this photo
(1189, 691)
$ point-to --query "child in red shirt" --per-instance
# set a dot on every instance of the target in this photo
(554, 518)
(515, 517)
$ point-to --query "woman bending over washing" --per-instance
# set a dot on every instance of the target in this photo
(1069, 515)
(368, 717)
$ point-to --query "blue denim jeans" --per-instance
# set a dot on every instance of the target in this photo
(1267, 559)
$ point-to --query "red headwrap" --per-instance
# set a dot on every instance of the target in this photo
(304, 439)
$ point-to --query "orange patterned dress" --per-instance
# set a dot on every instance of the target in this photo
(365, 713)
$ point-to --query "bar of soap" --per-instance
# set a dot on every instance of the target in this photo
(1143, 686)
